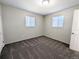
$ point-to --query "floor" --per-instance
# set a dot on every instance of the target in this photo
(38, 48)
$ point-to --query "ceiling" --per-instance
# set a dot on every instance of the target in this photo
(37, 7)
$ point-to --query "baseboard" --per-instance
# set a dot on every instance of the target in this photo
(39, 37)
(74, 50)
(58, 41)
(25, 39)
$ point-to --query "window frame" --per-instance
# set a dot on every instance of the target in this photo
(26, 21)
(58, 21)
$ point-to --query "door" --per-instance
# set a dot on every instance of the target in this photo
(74, 43)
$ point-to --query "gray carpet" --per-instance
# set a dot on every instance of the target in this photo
(38, 48)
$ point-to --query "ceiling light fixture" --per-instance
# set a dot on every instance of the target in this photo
(45, 2)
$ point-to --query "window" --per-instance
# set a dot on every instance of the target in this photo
(58, 21)
(30, 21)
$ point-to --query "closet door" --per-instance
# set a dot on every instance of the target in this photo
(74, 44)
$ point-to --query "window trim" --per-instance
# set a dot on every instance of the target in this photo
(58, 26)
(26, 22)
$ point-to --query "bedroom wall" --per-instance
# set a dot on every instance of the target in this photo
(60, 34)
(15, 30)
(1, 31)
(14, 27)
(0, 20)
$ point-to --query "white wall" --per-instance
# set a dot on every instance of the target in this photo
(1, 31)
(61, 34)
(14, 28)
(0, 20)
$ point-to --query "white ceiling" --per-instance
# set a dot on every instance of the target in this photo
(37, 7)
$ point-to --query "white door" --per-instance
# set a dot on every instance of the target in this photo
(74, 43)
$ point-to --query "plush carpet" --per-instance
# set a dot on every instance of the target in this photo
(38, 48)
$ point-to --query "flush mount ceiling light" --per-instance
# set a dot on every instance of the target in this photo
(45, 2)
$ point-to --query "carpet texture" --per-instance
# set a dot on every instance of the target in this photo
(38, 48)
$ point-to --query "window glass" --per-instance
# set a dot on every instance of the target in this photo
(61, 21)
(30, 21)
(58, 21)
